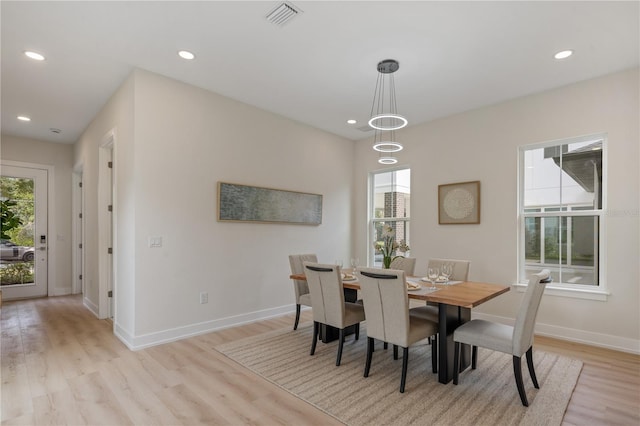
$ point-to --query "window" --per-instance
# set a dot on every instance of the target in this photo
(561, 211)
(389, 204)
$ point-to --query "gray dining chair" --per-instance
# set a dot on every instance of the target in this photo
(386, 306)
(407, 264)
(460, 268)
(460, 273)
(301, 287)
(328, 304)
(516, 340)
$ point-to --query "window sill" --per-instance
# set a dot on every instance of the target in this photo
(575, 293)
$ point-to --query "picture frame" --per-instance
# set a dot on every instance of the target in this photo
(245, 203)
(459, 203)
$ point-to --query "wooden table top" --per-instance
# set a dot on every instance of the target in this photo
(467, 294)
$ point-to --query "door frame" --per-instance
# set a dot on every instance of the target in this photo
(77, 232)
(51, 225)
(107, 265)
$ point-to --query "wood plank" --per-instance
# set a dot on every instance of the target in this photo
(189, 382)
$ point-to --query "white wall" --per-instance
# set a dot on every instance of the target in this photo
(60, 156)
(482, 145)
(186, 140)
(117, 116)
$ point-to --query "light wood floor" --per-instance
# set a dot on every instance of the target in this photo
(60, 365)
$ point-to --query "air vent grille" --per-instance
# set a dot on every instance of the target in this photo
(283, 13)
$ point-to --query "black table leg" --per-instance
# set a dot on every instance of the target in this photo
(449, 318)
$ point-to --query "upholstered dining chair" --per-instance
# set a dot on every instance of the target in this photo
(460, 268)
(386, 306)
(516, 340)
(407, 264)
(328, 304)
(301, 287)
(460, 273)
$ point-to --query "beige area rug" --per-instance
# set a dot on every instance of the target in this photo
(485, 396)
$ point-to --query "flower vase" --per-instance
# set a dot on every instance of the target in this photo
(386, 262)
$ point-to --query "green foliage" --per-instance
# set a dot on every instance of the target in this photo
(17, 195)
(17, 273)
(9, 219)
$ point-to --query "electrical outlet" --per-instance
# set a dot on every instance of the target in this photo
(204, 297)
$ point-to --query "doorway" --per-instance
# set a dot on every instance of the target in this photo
(24, 192)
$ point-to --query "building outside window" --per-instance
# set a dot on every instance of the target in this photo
(390, 204)
(561, 210)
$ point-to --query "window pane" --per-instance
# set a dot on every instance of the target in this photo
(570, 248)
(581, 164)
(17, 252)
(541, 179)
(532, 239)
(392, 194)
(401, 230)
(567, 175)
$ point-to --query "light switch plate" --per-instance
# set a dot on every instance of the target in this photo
(155, 242)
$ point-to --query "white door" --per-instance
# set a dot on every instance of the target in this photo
(23, 264)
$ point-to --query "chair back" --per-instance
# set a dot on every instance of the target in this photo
(327, 294)
(407, 264)
(295, 262)
(526, 319)
(460, 268)
(386, 304)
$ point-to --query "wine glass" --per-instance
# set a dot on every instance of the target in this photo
(446, 270)
(339, 263)
(354, 264)
(432, 275)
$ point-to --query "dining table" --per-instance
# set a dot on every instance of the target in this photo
(454, 301)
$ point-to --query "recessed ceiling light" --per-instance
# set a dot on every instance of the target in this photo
(563, 54)
(23, 118)
(34, 55)
(351, 121)
(185, 54)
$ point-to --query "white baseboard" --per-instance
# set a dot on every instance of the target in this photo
(90, 306)
(618, 343)
(152, 339)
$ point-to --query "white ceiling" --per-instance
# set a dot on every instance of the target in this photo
(318, 69)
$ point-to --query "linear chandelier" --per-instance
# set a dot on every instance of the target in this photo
(385, 119)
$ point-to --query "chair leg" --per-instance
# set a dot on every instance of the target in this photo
(367, 365)
(517, 371)
(429, 339)
(386, 345)
(316, 328)
(474, 357)
(532, 372)
(357, 331)
(405, 361)
(340, 344)
(434, 355)
(295, 325)
(395, 351)
(456, 362)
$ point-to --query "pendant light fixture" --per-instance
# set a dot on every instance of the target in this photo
(384, 113)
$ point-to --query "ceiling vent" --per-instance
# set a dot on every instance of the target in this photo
(283, 13)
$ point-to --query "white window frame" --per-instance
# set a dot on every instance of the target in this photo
(578, 291)
(371, 213)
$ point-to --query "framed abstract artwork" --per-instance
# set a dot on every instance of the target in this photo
(459, 203)
(243, 203)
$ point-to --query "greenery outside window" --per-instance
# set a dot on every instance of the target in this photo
(389, 204)
(561, 207)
